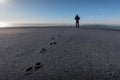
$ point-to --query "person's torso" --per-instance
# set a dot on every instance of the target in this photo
(77, 18)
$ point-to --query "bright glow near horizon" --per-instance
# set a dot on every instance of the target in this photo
(3, 24)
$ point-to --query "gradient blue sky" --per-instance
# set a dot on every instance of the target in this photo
(60, 11)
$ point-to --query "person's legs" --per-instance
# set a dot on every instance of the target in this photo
(78, 24)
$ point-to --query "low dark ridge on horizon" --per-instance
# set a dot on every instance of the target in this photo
(89, 26)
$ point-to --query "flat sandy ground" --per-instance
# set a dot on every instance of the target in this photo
(64, 53)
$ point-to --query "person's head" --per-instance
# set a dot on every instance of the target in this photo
(77, 15)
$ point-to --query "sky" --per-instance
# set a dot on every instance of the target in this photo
(60, 11)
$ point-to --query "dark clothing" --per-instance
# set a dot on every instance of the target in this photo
(77, 18)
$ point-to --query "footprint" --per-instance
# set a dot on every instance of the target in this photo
(29, 71)
(38, 66)
(52, 38)
(52, 43)
(99, 40)
(43, 50)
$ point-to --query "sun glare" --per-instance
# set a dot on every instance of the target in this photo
(2, 1)
(3, 24)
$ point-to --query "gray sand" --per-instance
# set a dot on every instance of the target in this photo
(79, 54)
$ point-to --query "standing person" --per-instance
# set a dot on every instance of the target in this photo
(77, 18)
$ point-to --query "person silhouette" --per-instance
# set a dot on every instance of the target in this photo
(77, 18)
